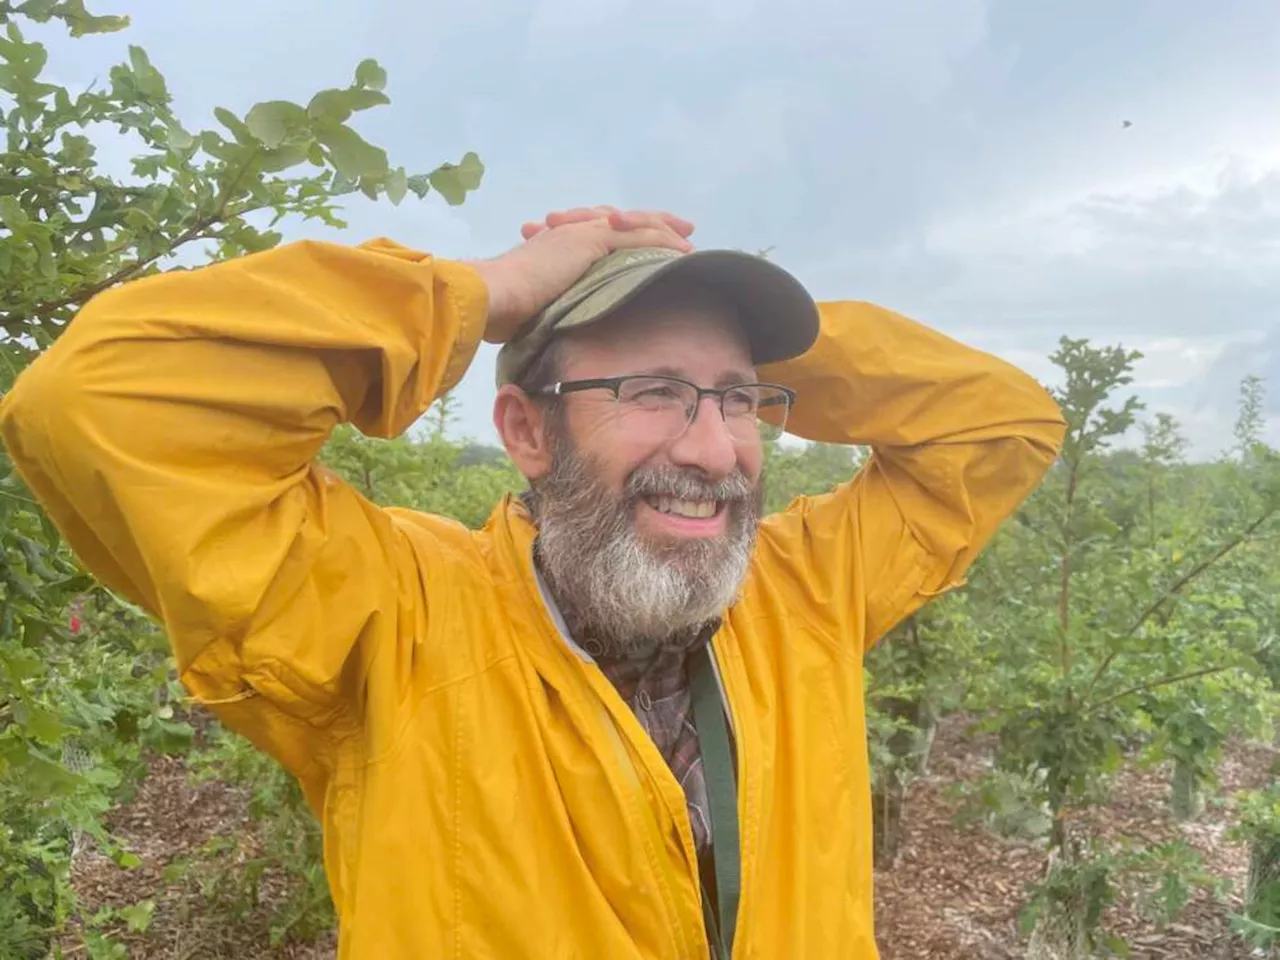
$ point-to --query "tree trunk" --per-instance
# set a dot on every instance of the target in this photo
(909, 748)
(1185, 798)
(924, 741)
(886, 821)
(1062, 928)
(1061, 931)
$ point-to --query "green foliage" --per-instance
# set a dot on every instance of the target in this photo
(424, 475)
(1116, 600)
(82, 695)
(1258, 815)
(1066, 907)
(71, 230)
(289, 846)
(72, 13)
(815, 468)
(1163, 878)
(1250, 418)
(1006, 802)
(1258, 824)
(1128, 615)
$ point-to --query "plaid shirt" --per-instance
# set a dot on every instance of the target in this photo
(658, 692)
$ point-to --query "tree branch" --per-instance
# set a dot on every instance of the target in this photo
(1064, 585)
(193, 232)
(1197, 570)
(1155, 684)
(19, 498)
(1177, 586)
(43, 310)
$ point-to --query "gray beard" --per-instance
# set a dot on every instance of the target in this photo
(619, 593)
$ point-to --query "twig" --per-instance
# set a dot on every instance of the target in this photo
(1162, 682)
(1198, 569)
(1173, 590)
(191, 233)
(43, 310)
(1064, 586)
(18, 498)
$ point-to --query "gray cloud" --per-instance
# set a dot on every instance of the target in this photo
(959, 160)
(1182, 258)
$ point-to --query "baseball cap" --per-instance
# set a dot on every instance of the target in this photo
(777, 314)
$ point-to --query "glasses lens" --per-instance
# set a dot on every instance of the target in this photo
(756, 412)
(656, 406)
(768, 432)
(661, 408)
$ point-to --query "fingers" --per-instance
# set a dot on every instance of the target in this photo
(579, 215)
(636, 219)
(562, 217)
(618, 220)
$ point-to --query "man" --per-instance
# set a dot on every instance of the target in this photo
(623, 720)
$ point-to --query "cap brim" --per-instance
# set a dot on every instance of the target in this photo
(777, 314)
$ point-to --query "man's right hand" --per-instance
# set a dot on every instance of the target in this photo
(556, 253)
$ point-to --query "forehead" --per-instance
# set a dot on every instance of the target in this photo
(675, 327)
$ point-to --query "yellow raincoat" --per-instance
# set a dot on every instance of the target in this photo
(484, 791)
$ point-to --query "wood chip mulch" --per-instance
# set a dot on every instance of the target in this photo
(173, 818)
(955, 893)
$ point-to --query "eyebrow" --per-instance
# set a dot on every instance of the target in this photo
(727, 379)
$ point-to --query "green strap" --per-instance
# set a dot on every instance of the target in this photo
(718, 949)
(722, 794)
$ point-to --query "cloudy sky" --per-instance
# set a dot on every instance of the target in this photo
(963, 161)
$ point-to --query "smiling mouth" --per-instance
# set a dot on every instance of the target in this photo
(692, 509)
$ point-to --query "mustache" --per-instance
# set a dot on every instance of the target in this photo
(683, 483)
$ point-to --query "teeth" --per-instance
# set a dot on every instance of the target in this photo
(697, 509)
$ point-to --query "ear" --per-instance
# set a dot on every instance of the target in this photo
(521, 424)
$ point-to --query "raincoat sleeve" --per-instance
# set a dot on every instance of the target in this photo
(958, 438)
(172, 435)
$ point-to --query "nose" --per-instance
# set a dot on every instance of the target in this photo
(707, 443)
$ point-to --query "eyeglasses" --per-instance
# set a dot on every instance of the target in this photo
(662, 408)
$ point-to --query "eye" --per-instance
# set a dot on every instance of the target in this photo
(654, 393)
(740, 402)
